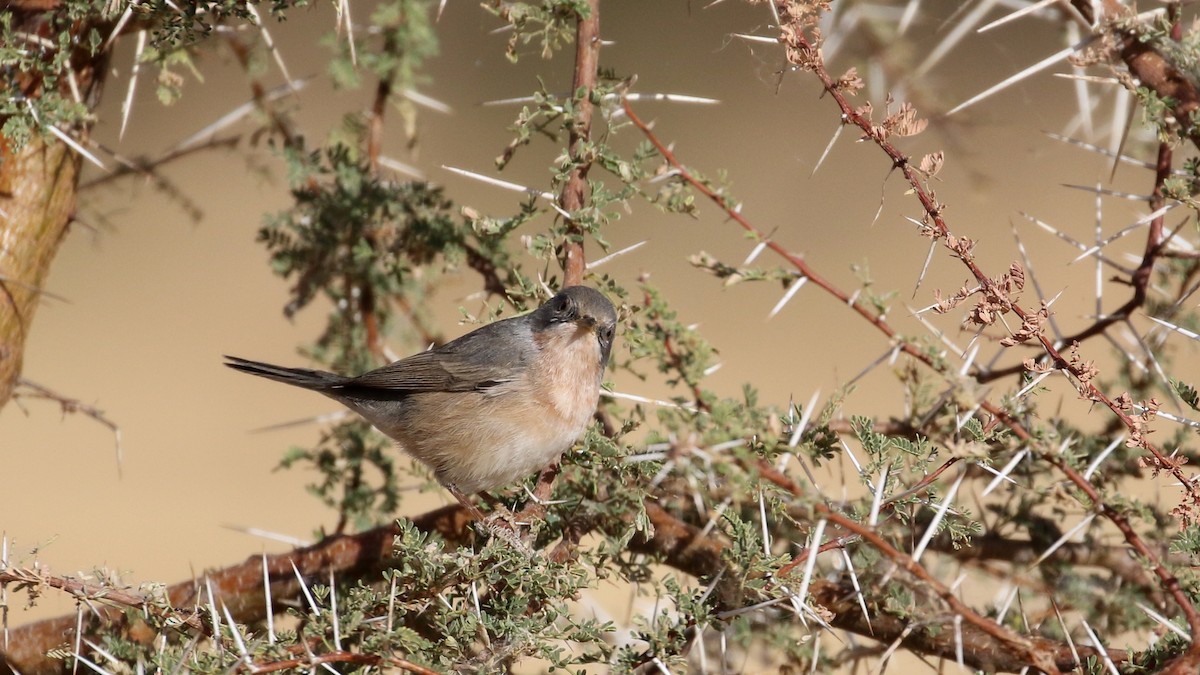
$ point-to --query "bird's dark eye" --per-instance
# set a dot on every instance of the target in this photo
(563, 308)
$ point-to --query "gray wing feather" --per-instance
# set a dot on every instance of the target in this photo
(478, 360)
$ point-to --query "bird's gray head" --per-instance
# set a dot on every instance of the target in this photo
(585, 307)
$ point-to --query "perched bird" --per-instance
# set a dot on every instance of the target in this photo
(490, 407)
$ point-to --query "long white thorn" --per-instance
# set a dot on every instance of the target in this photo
(650, 401)
(828, 147)
(1099, 459)
(427, 101)
(1028, 72)
(937, 518)
(1003, 474)
(809, 565)
(312, 604)
(1178, 329)
(76, 146)
(1166, 623)
(804, 418)
(262, 27)
(958, 642)
(862, 601)
(1032, 383)
(117, 29)
(787, 296)
(961, 28)
(1027, 9)
(506, 185)
(755, 252)
(237, 636)
(1108, 192)
(238, 113)
(616, 254)
(1132, 227)
(877, 500)
(127, 105)
(344, 18)
(1063, 539)
(1108, 662)
(1066, 633)
(1112, 154)
(402, 168)
(925, 267)
(267, 597)
(911, 11)
(1174, 418)
(766, 532)
(294, 542)
(333, 612)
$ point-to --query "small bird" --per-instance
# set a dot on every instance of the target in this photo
(490, 407)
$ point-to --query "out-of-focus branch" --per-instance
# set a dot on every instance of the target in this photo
(1149, 67)
(37, 191)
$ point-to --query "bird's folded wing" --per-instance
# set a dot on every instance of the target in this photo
(440, 370)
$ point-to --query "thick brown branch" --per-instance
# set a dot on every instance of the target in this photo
(37, 200)
(240, 588)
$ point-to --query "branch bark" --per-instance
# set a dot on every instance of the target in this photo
(37, 200)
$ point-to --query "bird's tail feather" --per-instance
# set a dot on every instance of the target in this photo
(299, 377)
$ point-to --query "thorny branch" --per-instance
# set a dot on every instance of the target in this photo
(802, 52)
(805, 54)
(576, 193)
(362, 556)
(1155, 71)
(1020, 645)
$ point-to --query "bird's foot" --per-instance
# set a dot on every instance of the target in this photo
(501, 524)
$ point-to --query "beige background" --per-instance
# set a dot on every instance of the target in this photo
(152, 299)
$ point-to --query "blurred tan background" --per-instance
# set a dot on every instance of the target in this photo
(152, 299)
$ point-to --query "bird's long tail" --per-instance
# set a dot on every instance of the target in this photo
(300, 377)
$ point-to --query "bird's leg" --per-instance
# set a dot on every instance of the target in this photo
(465, 500)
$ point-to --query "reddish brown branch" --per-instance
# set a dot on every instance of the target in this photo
(383, 95)
(576, 193)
